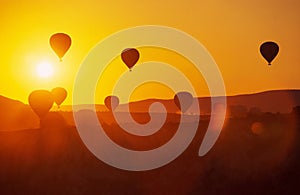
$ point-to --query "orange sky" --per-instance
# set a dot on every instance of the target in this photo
(231, 30)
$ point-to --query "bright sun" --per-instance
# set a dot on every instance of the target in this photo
(44, 70)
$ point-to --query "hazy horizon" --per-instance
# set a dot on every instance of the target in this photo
(153, 98)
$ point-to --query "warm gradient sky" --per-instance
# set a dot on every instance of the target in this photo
(231, 30)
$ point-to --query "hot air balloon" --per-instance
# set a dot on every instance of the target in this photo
(59, 95)
(183, 101)
(60, 43)
(111, 102)
(40, 102)
(269, 51)
(130, 56)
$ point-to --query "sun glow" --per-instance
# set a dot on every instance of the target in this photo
(44, 70)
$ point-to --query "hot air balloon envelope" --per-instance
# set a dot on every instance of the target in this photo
(269, 51)
(111, 102)
(130, 56)
(60, 43)
(183, 101)
(59, 95)
(40, 102)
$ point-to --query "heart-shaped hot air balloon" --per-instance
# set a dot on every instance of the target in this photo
(183, 101)
(60, 43)
(111, 102)
(59, 95)
(130, 56)
(40, 101)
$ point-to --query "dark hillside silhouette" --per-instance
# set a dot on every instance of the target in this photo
(14, 115)
(281, 101)
(53, 159)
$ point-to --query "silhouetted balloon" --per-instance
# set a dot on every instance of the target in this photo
(269, 51)
(183, 101)
(60, 43)
(59, 95)
(111, 102)
(130, 56)
(40, 102)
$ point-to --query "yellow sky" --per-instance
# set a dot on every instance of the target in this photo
(231, 30)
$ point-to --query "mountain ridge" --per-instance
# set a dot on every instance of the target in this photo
(15, 115)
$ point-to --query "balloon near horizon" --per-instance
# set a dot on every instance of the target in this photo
(111, 102)
(59, 95)
(41, 101)
(183, 101)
